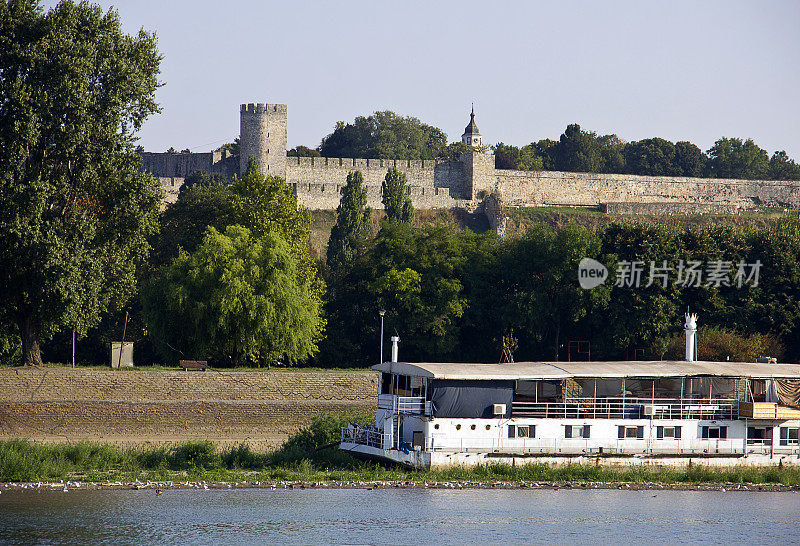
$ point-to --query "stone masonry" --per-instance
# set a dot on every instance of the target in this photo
(317, 182)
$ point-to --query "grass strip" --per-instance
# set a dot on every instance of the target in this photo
(299, 459)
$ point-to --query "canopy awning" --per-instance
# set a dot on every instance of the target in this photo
(613, 369)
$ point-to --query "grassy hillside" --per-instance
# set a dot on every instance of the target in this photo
(520, 219)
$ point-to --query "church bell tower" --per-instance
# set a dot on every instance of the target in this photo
(471, 136)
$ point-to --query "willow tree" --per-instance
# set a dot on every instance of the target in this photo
(75, 212)
(237, 298)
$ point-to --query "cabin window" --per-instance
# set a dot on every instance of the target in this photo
(522, 431)
(417, 387)
(386, 383)
(436, 426)
(759, 436)
(472, 427)
(403, 385)
(630, 433)
(668, 433)
(576, 431)
(714, 433)
(458, 427)
(789, 436)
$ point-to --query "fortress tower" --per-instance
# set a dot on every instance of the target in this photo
(471, 136)
(262, 134)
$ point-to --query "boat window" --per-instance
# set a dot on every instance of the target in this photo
(403, 385)
(386, 383)
(789, 436)
(668, 433)
(759, 436)
(713, 433)
(537, 391)
(522, 431)
(417, 386)
(635, 433)
(576, 431)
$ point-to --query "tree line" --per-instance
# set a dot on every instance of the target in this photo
(386, 135)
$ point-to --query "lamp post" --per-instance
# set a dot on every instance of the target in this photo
(381, 313)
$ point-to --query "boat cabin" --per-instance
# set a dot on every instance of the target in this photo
(436, 414)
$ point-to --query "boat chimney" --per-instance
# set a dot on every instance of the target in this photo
(690, 327)
(395, 341)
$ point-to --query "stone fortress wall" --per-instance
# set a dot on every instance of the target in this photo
(172, 168)
(317, 182)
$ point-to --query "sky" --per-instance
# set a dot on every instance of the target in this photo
(679, 70)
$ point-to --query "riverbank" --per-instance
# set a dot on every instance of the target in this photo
(160, 486)
(298, 464)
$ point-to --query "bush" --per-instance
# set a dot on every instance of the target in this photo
(199, 455)
(722, 344)
(323, 431)
(242, 456)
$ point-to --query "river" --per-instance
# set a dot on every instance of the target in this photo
(395, 516)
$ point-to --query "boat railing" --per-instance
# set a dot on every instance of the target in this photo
(553, 446)
(368, 436)
(630, 408)
(406, 405)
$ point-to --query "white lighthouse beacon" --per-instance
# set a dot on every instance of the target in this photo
(690, 327)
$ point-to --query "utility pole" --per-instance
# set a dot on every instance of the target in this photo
(381, 313)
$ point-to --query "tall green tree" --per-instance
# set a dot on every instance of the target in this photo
(734, 158)
(396, 200)
(417, 276)
(651, 157)
(537, 286)
(578, 151)
(612, 153)
(75, 211)
(303, 151)
(353, 223)
(689, 159)
(781, 167)
(384, 135)
(183, 223)
(201, 178)
(237, 298)
(453, 151)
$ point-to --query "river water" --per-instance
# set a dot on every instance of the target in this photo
(395, 516)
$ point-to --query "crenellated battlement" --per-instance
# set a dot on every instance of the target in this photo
(262, 108)
(350, 163)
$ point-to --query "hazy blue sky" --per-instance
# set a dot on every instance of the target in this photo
(678, 70)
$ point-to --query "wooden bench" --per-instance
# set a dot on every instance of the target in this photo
(194, 365)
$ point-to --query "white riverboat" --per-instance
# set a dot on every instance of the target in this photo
(440, 414)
